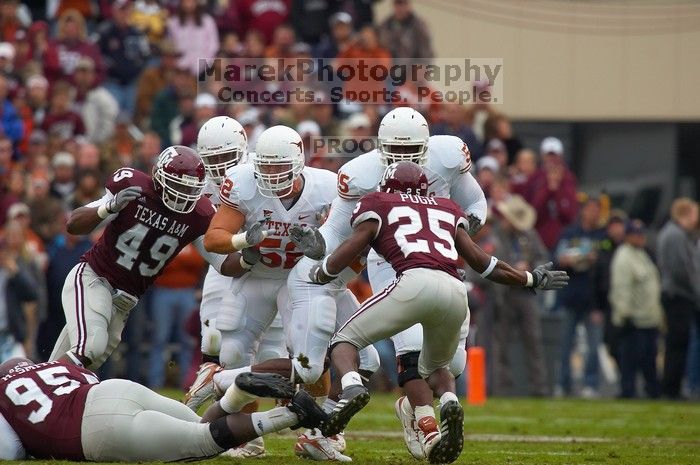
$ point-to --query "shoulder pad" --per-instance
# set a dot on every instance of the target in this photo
(239, 185)
(360, 176)
(126, 177)
(448, 152)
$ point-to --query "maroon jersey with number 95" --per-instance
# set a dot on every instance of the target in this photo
(414, 231)
(44, 405)
(144, 236)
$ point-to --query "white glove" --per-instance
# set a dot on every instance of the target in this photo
(546, 279)
(254, 236)
(317, 276)
(119, 201)
(309, 240)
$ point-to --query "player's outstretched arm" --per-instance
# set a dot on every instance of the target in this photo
(85, 219)
(542, 277)
(346, 252)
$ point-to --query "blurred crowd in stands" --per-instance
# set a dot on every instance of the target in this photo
(88, 86)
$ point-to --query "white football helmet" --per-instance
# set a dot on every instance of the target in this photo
(278, 161)
(222, 143)
(403, 136)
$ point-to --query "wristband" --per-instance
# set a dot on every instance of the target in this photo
(489, 269)
(102, 211)
(238, 241)
(325, 270)
(244, 264)
(530, 279)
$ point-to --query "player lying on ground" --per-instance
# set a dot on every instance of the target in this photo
(422, 237)
(149, 221)
(61, 411)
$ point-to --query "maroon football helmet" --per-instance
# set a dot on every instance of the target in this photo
(404, 177)
(179, 176)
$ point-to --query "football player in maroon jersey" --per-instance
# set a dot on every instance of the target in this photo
(422, 237)
(149, 220)
(61, 411)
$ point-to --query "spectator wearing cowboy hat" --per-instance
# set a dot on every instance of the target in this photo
(521, 245)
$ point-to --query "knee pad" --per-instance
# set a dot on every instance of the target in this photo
(235, 352)
(369, 359)
(95, 344)
(211, 338)
(459, 362)
(408, 367)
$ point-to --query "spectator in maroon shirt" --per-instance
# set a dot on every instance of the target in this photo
(552, 191)
(61, 120)
(263, 15)
(70, 46)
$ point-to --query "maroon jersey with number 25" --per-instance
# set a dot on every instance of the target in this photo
(44, 404)
(414, 231)
(144, 236)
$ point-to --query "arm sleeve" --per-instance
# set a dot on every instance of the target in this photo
(214, 259)
(337, 226)
(11, 447)
(468, 195)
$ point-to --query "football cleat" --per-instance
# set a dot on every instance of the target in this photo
(318, 448)
(251, 449)
(450, 445)
(353, 399)
(310, 414)
(202, 389)
(410, 435)
(265, 385)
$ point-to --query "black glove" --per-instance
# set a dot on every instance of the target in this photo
(474, 224)
(544, 278)
(251, 255)
(122, 199)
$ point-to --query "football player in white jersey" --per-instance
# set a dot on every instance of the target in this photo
(403, 136)
(222, 144)
(260, 202)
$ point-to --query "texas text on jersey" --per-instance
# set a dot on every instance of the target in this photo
(144, 236)
(415, 231)
(279, 254)
(44, 405)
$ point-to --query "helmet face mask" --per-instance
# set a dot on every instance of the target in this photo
(179, 177)
(278, 161)
(217, 163)
(403, 136)
(222, 143)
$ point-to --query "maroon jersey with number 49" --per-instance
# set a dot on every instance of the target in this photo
(144, 236)
(44, 405)
(414, 231)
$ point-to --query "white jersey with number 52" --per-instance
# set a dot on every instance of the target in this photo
(279, 254)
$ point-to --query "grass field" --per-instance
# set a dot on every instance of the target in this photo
(525, 431)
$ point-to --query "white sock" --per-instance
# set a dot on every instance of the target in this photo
(351, 378)
(446, 397)
(423, 411)
(273, 420)
(328, 405)
(407, 409)
(225, 378)
(235, 399)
